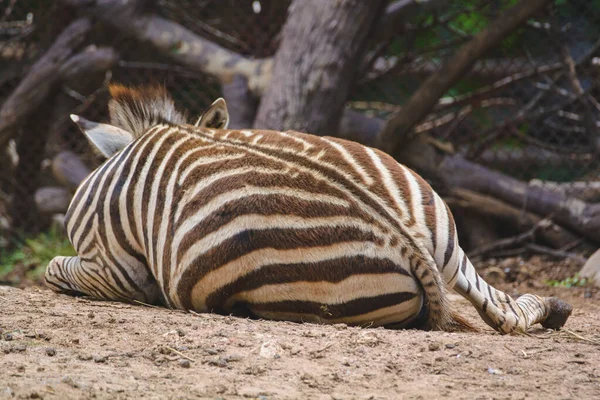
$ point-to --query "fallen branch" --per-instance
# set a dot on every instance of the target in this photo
(504, 244)
(536, 248)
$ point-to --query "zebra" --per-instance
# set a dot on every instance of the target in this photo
(268, 224)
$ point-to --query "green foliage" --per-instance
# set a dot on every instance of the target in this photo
(573, 281)
(35, 253)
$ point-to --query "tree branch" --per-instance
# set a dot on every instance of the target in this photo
(41, 79)
(177, 42)
(426, 97)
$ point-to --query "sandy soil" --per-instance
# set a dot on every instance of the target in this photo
(59, 347)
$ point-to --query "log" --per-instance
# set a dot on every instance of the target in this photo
(69, 170)
(52, 200)
(509, 216)
(586, 191)
(572, 213)
(41, 79)
(531, 157)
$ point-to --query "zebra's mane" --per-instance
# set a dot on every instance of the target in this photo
(138, 109)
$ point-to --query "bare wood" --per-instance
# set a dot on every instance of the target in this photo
(316, 64)
(69, 170)
(426, 97)
(52, 200)
(41, 79)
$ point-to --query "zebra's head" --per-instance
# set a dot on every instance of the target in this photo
(135, 110)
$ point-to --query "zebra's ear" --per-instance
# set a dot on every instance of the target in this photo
(216, 116)
(107, 139)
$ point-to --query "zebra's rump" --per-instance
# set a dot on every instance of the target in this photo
(356, 290)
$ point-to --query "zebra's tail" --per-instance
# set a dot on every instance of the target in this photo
(460, 324)
(138, 109)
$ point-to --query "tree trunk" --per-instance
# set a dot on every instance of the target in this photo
(322, 47)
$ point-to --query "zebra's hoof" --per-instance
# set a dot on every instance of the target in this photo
(559, 313)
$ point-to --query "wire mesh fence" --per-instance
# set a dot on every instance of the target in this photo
(529, 108)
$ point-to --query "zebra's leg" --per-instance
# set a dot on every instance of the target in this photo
(76, 276)
(501, 311)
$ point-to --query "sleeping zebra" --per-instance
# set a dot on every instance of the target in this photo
(275, 225)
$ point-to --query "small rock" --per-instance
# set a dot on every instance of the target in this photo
(75, 341)
(494, 371)
(100, 359)
(237, 357)
(40, 369)
(91, 315)
(184, 363)
(219, 362)
(69, 381)
(434, 346)
(50, 352)
(21, 368)
(84, 357)
(21, 348)
(8, 337)
(450, 345)
(34, 395)
(180, 332)
(270, 349)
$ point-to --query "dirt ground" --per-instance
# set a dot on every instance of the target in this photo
(59, 347)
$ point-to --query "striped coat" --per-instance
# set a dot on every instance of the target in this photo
(278, 225)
